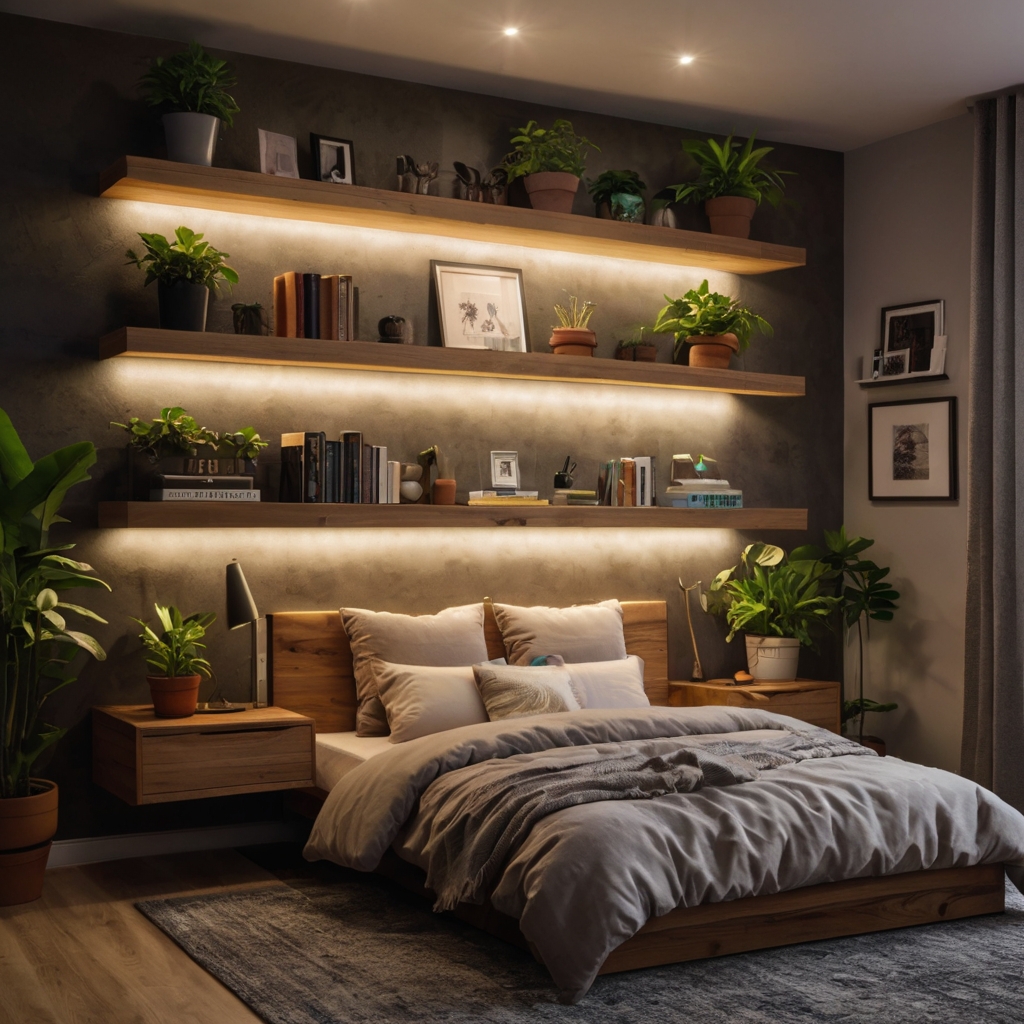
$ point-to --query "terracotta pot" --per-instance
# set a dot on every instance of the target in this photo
(443, 492)
(572, 341)
(712, 350)
(638, 353)
(730, 215)
(22, 873)
(552, 190)
(174, 696)
(876, 743)
(27, 824)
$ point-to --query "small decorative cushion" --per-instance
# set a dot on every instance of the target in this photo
(421, 699)
(519, 692)
(610, 684)
(591, 632)
(454, 636)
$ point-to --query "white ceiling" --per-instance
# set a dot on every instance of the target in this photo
(831, 73)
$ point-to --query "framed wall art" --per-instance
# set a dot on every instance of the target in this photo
(912, 450)
(278, 154)
(332, 159)
(481, 307)
(913, 344)
(505, 469)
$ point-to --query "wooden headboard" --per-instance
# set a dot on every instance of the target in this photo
(311, 662)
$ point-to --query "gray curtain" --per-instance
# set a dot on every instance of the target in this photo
(993, 738)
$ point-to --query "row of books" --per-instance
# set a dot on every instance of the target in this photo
(314, 469)
(196, 487)
(698, 483)
(629, 483)
(314, 306)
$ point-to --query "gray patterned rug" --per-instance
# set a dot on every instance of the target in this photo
(361, 950)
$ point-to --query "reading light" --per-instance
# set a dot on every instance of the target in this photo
(687, 58)
(511, 31)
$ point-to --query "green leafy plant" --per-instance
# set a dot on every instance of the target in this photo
(37, 646)
(703, 312)
(773, 595)
(191, 82)
(638, 337)
(174, 432)
(187, 258)
(728, 170)
(174, 652)
(864, 594)
(557, 148)
(610, 183)
(576, 314)
(241, 444)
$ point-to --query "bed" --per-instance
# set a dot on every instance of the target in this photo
(311, 672)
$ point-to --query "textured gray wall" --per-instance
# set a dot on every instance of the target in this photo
(65, 284)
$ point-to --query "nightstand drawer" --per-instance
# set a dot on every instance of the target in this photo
(192, 763)
(816, 703)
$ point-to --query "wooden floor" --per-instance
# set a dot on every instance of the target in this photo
(84, 955)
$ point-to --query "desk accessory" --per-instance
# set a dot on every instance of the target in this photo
(242, 611)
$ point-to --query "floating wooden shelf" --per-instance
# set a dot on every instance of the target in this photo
(882, 382)
(225, 515)
(364, 355)
(218, 188)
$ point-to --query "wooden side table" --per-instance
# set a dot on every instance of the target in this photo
(148, 760)
(812, 701)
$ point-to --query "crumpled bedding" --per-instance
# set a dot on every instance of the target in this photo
(588, 876)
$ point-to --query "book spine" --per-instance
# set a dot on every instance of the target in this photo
(194, 494)
(394, 483)
(311, 305)
(313, 466)
(352, 441)
(654, 481)
(346, 309)
(280, 307)
(381, 467)
(328, 307)
(713, 499)
(366, 476)
(291, 473)
(293, 305)
(332, 471)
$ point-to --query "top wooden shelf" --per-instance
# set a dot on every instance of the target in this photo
(218, 188)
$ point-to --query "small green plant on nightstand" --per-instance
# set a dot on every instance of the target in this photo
(191, 82)
(174, 652)
(187, 258)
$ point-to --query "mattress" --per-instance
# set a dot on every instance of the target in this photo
(337, 753)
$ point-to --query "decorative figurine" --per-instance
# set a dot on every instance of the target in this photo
(697, 676)
(563, 480)
(392, 329)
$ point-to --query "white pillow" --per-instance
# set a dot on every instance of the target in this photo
(513, 691)
(589, 632)
(610, 684)
(420, 700)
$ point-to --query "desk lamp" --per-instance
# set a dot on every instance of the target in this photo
(242, 612)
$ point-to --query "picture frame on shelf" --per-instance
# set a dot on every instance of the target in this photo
(481, 307)
(333, 159)
(278, 154)
(913, 344)
(505, 469)
(912, 450)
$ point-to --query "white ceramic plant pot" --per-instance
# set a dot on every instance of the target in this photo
(772, 657)
(191, 138)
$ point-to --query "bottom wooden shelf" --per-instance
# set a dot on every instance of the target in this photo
(213, 515)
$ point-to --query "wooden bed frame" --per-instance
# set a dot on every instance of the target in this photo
(311, 673)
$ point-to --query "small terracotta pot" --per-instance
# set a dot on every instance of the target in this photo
(29, 820)
(876, 743)
(174, 696)
(712, 350)
(730, 215)
(443, 492)
(572, 341)
(22, 873)
(638, 353)
(552, 190)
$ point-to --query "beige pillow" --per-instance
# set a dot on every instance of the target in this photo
(422, 699)
(509, 691)
(609, 684)
(454, 636)
(591, 632)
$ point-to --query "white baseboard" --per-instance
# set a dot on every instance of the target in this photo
(69, 852)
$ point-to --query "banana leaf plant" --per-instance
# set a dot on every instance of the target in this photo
(37, 646)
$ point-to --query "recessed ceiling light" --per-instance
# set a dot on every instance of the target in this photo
(511, 31)
(687, 58)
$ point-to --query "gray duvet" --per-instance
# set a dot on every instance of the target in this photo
(790, 808)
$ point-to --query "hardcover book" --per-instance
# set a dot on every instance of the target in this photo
(352, 458)
(336, 307)
(309, 460)
(289, 321)
(310, 305)
(203, 494)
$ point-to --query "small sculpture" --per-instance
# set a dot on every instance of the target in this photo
(476, 189)
(415, 177)
(697, 676)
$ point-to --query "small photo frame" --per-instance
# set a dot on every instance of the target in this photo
(505, 469)
(278, 154)
(912, 450)
(917, 331)
(332, 159)
(481, 307)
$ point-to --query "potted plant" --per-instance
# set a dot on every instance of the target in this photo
(38, 647)
(572, 337)
(174, 657)
(186, 271)
(713, 325)
(550, 161)
(618, 195)
(778, 602)
(191, 88)
(247, 318)
(731, 183)
(637, 348)
(660, 213)
(865, 594)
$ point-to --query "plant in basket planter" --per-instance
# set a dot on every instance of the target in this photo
(174, 657)
(618, 195)
(713, 325)
(731, 183)
(637, 347)
(186, 271)
(38, 647)
(573, 337)
(191, 88)
(550, 161)
(779, 602)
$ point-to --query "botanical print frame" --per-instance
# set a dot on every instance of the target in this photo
(912, 450)
(913, 341)
(481, 307)
(505, 469)
(278, 154)
(333, 160)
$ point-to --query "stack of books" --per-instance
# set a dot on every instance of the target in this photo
(629, 482)
(314, 306)
(196, 487)
(509, 497)
(314, 469)
(571, 496)
(700, 485)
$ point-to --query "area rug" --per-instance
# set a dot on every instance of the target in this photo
(360, 950)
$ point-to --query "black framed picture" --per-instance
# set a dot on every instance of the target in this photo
(332, 159)
(914, 339)
(912, 450)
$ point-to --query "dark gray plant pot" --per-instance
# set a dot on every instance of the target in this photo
(183, 305)
(191, 138)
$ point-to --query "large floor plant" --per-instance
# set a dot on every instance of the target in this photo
(37, 646)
